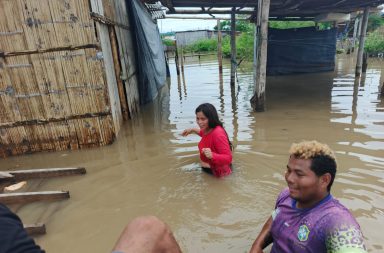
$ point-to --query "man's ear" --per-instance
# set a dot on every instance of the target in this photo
(325, 180)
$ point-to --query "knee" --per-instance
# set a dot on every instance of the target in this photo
(148, 224)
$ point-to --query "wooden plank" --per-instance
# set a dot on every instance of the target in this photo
(29, 197)
(260, 67)
(113, 93)
(117, 66)
(44, 173)
(35, 229)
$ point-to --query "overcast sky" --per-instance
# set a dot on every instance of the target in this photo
(173, 25)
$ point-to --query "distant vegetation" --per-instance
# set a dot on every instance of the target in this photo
(374, 43)
(244, 42)
(168, 42)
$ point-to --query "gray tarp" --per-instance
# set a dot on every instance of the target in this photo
(149, 51)
(301, 50)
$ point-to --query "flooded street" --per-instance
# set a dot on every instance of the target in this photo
(152, 169)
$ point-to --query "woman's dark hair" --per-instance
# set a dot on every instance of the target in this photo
(210, 112)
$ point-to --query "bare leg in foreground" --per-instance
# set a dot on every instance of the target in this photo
(147, 235)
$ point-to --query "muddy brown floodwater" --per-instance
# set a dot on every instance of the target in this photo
(151, 169)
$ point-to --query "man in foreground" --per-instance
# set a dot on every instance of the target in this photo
(306, 217)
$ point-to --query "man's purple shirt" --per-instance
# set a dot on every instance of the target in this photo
(326, 227)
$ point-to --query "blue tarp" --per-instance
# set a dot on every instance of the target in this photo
(301, 50)
(150, 58)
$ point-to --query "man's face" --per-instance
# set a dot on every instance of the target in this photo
(304, 185)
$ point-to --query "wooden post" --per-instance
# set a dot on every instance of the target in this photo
(116, 63)
(233, 46)
(365, 62)
(363, 32)
(261, 34)
(182, 59)
(177, 60)
(219, 50)
(355, 29)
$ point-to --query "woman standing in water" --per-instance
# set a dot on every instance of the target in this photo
(214, 146)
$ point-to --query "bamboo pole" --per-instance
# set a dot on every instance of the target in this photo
(364, 25)
(219, 49)
(258, 99)
(233, 47)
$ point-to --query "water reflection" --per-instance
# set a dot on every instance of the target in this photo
(151, 169)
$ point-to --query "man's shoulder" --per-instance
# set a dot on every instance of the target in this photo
(333, 213)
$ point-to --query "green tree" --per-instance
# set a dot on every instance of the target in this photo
(241, 26)
(374, 22)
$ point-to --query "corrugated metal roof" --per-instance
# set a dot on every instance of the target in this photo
(280, 7)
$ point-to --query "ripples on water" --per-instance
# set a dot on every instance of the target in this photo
(151, 169)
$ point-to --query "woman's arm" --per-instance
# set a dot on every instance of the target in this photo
(223, 153)
(263, 239)
(190, 131)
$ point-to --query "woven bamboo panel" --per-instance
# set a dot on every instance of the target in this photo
(109, 11)
(52, 85)
(51, 100)
(55, 136)
(42, 24)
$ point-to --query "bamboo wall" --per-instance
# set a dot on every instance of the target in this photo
(54, 88)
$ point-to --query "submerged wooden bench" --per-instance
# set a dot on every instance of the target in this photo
(41, 173)
(29, 197)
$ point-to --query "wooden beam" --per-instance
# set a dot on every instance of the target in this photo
(107, 21)
(233, 47)
(29, 197)
(46, 173)
(203, 18)
(260, 71)
(219, 49)
(360, 52)
(47, 121)
(210, 12)
(35, 229)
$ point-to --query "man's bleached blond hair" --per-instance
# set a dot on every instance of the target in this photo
(311, 149)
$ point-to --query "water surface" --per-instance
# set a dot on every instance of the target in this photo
(151, 169)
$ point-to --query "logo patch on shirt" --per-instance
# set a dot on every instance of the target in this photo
(303, 233)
